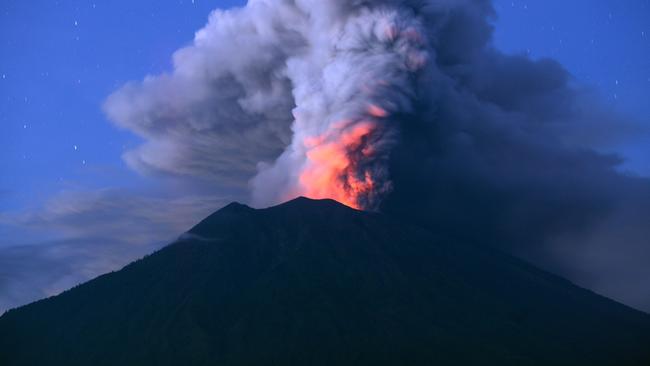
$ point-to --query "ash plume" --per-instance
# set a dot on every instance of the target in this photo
(405, 107)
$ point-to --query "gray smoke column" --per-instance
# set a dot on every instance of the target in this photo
(403, 106)
(356, 73)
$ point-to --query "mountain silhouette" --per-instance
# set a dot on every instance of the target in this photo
(313, 282)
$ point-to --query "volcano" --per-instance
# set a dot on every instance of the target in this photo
(313, 282)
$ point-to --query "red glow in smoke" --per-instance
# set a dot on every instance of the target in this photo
(377, 111)
(333, 163)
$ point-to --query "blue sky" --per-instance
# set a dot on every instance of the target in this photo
(604, 44)
(60, 63)
(61, 59)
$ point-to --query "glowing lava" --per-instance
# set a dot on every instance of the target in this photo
(335, 164)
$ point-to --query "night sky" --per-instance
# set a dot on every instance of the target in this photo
(70, 208)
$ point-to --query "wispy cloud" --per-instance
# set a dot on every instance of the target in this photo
(96, 232)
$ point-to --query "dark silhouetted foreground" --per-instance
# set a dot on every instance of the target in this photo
(317, 283)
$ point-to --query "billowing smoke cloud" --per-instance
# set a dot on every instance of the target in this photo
(359, 69)
(406, 107)
(318, 80)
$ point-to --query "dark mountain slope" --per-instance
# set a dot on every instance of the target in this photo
(317, 283)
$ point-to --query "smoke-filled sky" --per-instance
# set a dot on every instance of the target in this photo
(522, 125)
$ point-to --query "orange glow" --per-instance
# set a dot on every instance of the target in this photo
(333, 164)
(377, 111)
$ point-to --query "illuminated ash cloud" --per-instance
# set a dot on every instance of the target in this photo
(299, 93)
(403, 106)
(358, 72)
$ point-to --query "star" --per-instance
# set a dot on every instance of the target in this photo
(75, 147)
